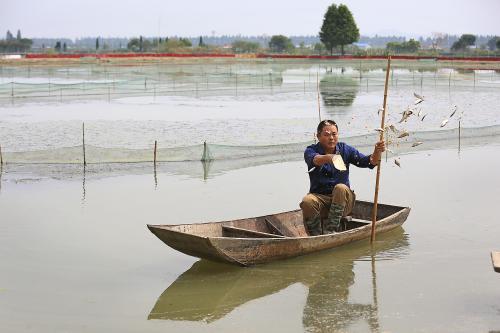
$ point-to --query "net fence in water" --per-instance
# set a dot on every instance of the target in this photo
(19, 84)
(217, 152)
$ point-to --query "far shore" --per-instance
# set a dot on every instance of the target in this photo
(31, 59)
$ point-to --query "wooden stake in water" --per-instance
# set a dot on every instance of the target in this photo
(382, 125)
(459, 130)
(154, 158)
(83, 144)
(205, 156)
(1, 157)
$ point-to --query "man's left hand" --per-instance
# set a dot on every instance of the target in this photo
(377, 152)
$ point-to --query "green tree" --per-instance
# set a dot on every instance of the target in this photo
(175, 45)
(241, 46)
(133, 45)
(97, 44)
(9, 35)
(280, 43)
(498, 43)
(339, 28)
(18, 37)
(58, 46)
(463, 42)
(185, 42)
(492, 43)
(200, 42)
(141, 44)
(410, 46)
(65, 47)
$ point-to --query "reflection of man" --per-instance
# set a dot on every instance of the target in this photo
(330, 195)
(327, 308)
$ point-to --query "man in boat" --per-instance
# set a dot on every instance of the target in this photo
(330, 197)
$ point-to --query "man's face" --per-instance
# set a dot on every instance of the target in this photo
(328, 137)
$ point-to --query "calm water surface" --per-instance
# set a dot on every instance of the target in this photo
(76, 255)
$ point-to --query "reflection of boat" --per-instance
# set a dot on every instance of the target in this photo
(208, 291)
(266, 238)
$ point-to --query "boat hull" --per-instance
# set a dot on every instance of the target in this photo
(207, 240)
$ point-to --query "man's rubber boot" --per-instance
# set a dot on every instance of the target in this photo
(313, 226)
(332, 223)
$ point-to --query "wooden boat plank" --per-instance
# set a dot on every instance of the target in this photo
(495, 259)
(228, 231)
(274, 228)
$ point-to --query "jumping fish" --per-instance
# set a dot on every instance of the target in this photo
(311, 170)
(379, 130)
(418, 96)
(406, 114)
(396, 161)
(393, 128)
(423, 117)
(403, 134)
(453, 113)
(443, 124)
(418, 143)
(419, 99)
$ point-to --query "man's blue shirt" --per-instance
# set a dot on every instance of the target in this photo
(324, 178)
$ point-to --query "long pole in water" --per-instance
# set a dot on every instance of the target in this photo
(317, 89)
(382, 125)
(1, 157)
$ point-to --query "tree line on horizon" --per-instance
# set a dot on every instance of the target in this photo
(338, 33)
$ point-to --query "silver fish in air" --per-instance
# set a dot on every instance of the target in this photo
(418, 143)
(403, 134)
(406, 114)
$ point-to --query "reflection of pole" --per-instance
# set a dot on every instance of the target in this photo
(155, 176)
(83, 185)
(382, 125)
(1, 157)
(317, 88)
(374, 294)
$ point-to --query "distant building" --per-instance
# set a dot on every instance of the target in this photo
(362, 46)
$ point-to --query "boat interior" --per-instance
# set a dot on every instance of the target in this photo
(282, 225)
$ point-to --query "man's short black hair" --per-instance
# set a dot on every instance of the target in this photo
(324, 123)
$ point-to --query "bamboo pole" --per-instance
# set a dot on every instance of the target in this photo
(382, 125)
(317, 90)
(83, 144)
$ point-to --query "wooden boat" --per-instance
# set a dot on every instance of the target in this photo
(267, 238)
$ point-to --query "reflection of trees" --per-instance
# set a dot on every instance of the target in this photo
(464, 71)
(338, 90)
(209, 291)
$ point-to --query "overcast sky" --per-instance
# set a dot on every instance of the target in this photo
(128, 18)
